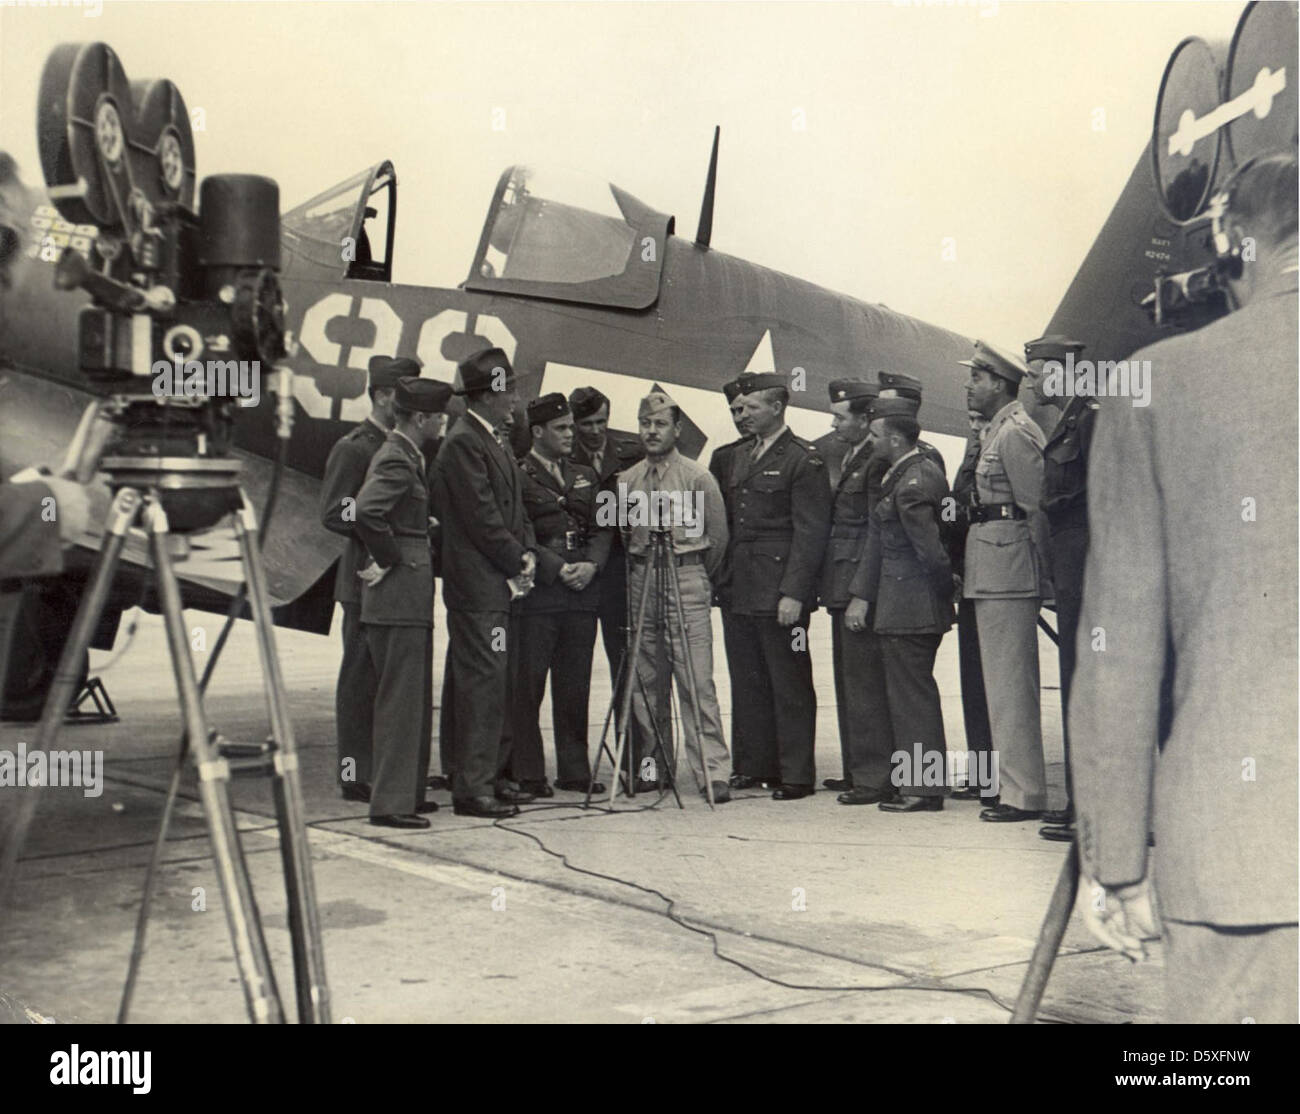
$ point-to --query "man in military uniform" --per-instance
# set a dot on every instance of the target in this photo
(557, 619)
(859, 673)
(903, 590)
(894, 384)
(1008, 573)
(974, 702)
(1065, 501)
(780, 506)
(487, 558)
(345, 471)
(397, 605)
(698, 543)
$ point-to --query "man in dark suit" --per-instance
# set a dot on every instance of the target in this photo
(1195, 550)
(859, 669)
(345, 471)
(557, 619)
(1065, 502)
(607, 452)
(974, 700)
(397, 606)
(905, 581)
(779, 502)
(487, 558)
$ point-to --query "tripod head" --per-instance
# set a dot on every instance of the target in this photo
(182, 301)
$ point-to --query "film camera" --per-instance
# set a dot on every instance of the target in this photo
(173, 290)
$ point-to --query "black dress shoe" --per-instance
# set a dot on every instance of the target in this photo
(400, 820)
(576, 785)
(1059, 817)
(513, 796)
(838, 784)
(358, 792)
(906, 803)
(966, 793)
(427, 806)
(1058, 833)
(1009, 814)
(486, 807)
(437, 781)
(537, 787)
(721, 793)
(744, 781)
(785, 792)
(861, 795)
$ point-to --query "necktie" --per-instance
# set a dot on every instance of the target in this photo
(597, 459)
(757, 450)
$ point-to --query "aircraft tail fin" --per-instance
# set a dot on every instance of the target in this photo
(704, 232)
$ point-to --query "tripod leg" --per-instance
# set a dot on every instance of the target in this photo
(633, 656)
(126, 506)
(1049, 940)
(304, 918)
(696, 722)
(256, 976)
(603, 749)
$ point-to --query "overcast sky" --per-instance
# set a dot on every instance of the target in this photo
(856, 138)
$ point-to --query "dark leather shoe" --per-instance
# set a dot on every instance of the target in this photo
(580, 786)
(400, 820)
(643, 786)
(486, 807)
(1058, 833)
(426, 806)
(905, 803)
(357, 792)
(785, 792)
(744, 781)
(838, 784)
(1009, 814)
(537, 788)
(1059, 817)
(863, 796)
(967, 793)
(513, 796)
(721, 793)
(437, 781)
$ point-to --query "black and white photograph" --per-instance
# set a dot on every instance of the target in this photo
(792, 519)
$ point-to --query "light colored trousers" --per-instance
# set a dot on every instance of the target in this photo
(1224, 974)
(1008, 634)
(696, 596)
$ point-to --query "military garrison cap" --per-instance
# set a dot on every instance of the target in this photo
(732, 390)
(1054, 346)
(845, 390)
(904, 386)
(761, 382)
(481, 372)
(996, 362)
(428, 396)
(654, 403)
(547, 408)
(385, 371)
(585, 401)
(896, 407)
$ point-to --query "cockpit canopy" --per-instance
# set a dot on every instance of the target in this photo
(565, 236)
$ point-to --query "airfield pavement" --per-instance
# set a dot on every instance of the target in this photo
(471, 921)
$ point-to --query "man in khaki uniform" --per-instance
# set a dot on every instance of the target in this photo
(1007, 575)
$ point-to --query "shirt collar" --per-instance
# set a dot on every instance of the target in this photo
(915, 450)
(483, 422)
(413, 445)
(767, 442)
(382, 428)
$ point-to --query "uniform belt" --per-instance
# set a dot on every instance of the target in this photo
(696, 558)
(564, 544)
(996, 512)
(411, 534)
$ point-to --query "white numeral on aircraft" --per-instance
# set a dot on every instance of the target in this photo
(1258, 99)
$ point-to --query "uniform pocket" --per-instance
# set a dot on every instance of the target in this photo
(1000, 558)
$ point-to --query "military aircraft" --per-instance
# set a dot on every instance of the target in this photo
(582, 283)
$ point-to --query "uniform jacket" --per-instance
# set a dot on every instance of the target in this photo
(564, 523)
(1009, 559)
(905, 572)
(780, 511)
(1195, 550)
(478, 499)
(963, 489)
(850, 513)
(1065, 464)
(29, 545)
(345, 471)
(622, 450)
(393, 523)
(720, 470)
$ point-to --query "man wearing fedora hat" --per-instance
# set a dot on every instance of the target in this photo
(345, 471)
(397, 605)
(487, 558)
(1008, 574)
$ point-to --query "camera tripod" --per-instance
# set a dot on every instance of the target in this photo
(215, 760)
(661, 572)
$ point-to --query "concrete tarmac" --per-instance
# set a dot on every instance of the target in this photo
(761, 911)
